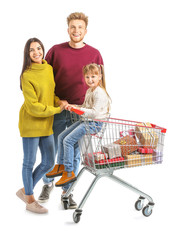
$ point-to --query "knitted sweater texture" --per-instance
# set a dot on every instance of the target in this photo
(40, 103)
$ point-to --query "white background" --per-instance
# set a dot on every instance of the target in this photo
(146, 50)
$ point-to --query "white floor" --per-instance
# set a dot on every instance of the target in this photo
(109, 211)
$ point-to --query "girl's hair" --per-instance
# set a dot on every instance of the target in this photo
(96, 69)
(27, 60)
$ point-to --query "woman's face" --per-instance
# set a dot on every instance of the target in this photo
(36, 52)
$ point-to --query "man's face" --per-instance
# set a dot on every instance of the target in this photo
(77, 30)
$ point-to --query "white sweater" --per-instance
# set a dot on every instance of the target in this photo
(96, 104)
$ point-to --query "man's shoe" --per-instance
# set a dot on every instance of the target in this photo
(67, 177)
(44, 196)
(57, 171)
(36, 207)
(21, 195)
(72, 203)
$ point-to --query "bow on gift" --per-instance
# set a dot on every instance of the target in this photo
(122, 142)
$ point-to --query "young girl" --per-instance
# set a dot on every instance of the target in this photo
(96, 106)
(36, 119)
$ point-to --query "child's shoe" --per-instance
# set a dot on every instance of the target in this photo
(67, 177)
(57, 171)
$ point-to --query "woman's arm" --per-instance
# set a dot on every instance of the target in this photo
(32, 106)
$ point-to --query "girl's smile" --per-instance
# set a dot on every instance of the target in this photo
(92, 80)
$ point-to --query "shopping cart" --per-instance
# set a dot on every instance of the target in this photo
(115, 145)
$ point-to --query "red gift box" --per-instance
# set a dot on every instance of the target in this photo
(145, 150)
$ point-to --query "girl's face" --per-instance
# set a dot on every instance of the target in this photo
(92, 79)
(36, 52)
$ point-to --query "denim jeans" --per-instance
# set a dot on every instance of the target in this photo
(30, 147)
(61, 122)
(68, 142)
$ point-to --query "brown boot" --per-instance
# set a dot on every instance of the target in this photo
(67, 177)
(57, 171)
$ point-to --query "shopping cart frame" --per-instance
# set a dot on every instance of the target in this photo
(139, 204)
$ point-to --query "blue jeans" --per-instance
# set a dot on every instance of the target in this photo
(68, 142)
(61, 122)
(30, 147)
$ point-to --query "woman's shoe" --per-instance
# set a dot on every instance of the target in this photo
(57, 171)
(21, 195)
(67, 177)
(36, 207)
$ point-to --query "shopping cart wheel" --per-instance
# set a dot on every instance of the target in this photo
(65, 202)
(147, 211)
(139, 203)
(76, 215)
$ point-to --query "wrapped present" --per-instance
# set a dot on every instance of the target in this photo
(158, 156)
(110, 163)
(127, 144)
(96, 156)
(113, 150)
(134, 160)
(146, 135)
(145, 150)
(88, 159)
(100, 156)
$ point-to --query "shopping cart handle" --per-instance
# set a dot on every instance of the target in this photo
(77, 111)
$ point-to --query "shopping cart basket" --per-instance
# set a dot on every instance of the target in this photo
(115, 145)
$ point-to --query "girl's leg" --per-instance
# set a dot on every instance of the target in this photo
(47, 149)
(76, 163)
(70, 143)
(61, 137)
(30, 146)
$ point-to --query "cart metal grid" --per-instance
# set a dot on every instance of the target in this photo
(118, 144)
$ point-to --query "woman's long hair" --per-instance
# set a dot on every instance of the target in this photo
(27, 60)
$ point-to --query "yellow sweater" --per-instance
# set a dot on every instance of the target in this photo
(37, 113)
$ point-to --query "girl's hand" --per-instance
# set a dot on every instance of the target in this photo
(70, 106)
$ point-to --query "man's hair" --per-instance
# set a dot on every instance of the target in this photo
(77, 16)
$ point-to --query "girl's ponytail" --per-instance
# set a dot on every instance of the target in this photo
(103, 80)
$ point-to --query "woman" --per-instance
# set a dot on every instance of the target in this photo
(36, 119)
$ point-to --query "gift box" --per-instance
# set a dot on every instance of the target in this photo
(134, 160)
(158, 156)
(145, 150)
(146, 135)
(127, 144)
(110, 163)
(113, 150)
(89, 158)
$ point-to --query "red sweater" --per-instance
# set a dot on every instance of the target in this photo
(67, 65)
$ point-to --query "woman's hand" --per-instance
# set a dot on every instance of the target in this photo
(62, 104)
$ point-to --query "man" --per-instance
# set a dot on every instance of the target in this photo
(67, 60)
